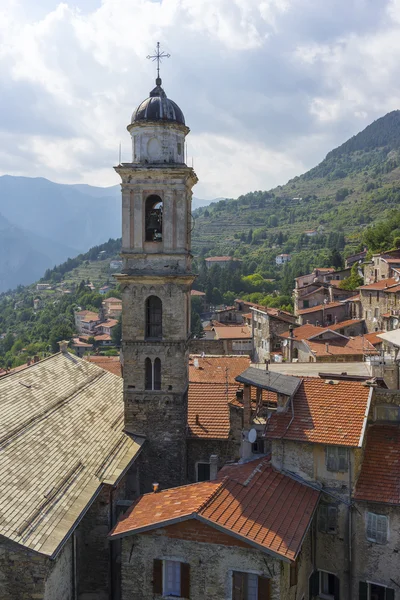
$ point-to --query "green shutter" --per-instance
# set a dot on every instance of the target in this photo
(264, 588)
(185, 580)
(363, 591)
(157, 576)
(314, 584)
(336, 593)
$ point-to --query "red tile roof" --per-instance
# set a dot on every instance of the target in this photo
(304, 331)
(379, 285)
(326, 306)
(112, 300)
(324, 413)
(342, 324)
(357, 346)
(379, 478)
(260, 506)
(109, 363)
(373, 337)
(208, 410)
(393, 290)
(217, 369)
(233, 333)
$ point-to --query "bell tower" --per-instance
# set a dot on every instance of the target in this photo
(156, 278)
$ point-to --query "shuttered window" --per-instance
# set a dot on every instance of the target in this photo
(327, 518)
(372, 591)
(324, 585)
(248, 586)
(171, 578)
(337, 458)
(377, 528)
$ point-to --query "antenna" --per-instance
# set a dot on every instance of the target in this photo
(119, 154)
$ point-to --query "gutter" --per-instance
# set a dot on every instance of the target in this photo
(365, 418)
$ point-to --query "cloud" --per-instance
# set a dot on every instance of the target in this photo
(267, 87)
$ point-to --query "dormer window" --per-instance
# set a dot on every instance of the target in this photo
(153, 219)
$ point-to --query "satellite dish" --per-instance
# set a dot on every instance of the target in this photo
(252, 436)
(284, 343)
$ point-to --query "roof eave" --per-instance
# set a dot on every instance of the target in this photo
(152, 527)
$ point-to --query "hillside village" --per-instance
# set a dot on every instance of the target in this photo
(159, 441)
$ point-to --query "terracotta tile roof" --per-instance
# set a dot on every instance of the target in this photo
(217, 369)
(78, 342)
(373, 337)
(326, 306)
(304, 331)
(393, 290)
(379, 479)
(260, 506)
(107, 323)
(341, 346)
(109, 363)
(90, 316)
(112, 300)
(233, 333)
(197, 293)
(353, 298)
(208, 410)
(379, 285)
(324, 413)
(347, 323)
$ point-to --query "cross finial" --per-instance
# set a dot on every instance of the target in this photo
(158, 56)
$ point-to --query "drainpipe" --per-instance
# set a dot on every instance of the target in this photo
(290, 348)
(74, 569)
(350, 530)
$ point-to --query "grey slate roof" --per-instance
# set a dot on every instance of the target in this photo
(267, 380)
(61, 440)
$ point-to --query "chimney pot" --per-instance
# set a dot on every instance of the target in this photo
(35, 358)
(63, 346)
(156, 488)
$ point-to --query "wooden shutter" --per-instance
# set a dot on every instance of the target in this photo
(185, 580)
(264, 588)
(381, 529)
(336, 588)
(371, 526)
(389, 594)
(157, 576)
(362, 591)
(238, 585)
(314, 584)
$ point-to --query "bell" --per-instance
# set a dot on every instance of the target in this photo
(153, 221)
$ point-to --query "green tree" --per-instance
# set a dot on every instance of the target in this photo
(353, 281)
(116, 333)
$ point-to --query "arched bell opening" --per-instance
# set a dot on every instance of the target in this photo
(153, 219)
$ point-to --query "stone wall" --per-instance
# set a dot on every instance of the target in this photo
(371, 561)
(198, 346)
(211, 563)
(60, 581)
(325, 316)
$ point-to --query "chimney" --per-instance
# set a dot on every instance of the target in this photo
(35, 358)
(63, 346)
(28, 362)
(327, 346)
(246, 406)
(330, 293)
(156, 488)
(213, 466)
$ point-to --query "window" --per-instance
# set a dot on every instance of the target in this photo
(171, 578)
(153, 317)
(248, 586)
(306, 304)
(203, 471)
(152, 374)
(153, 219)
(327, 518)
(373, 591)
(324, 585)
(336, 458)
(387, 413)
(370, 298)
(179, 148)
(376, 313)
(377, 526)
(258, 446)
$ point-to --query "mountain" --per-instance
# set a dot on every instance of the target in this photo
(43, 223)
(199, 202)
(79, 215)
(357, 183)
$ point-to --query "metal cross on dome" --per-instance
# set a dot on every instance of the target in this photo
(158, 56)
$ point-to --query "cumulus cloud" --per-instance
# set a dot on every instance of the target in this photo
(267, 86)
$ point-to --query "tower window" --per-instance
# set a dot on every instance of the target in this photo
(153, 219)
(153, 317)
(152, 374)
(179, 148)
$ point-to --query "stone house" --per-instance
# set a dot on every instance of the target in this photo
(380, 303)
(382, 266)
(61, 432)
(359, 257)
(220, 539)
(228, 315)
(324, 314)
(267, 325)
(86, 321)
(311, 343)
(215, 420)
(235, 339)
(319, 286)
(112, 308)
(282, 259)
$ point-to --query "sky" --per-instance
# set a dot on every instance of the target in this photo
(267, 87)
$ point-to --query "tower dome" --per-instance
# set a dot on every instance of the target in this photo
(158, 108)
